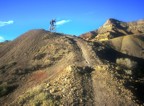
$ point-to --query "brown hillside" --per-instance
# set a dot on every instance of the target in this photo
(42, 68)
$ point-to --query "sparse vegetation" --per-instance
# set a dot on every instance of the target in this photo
(38, 97)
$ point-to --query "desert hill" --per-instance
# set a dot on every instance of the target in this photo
(113, 28)
(43, 68)
(39, 58)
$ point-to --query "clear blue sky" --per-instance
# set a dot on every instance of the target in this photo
(74, 16)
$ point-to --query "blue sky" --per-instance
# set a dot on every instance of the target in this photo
(73, 16)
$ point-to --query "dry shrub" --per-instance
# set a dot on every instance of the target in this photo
(126, 63)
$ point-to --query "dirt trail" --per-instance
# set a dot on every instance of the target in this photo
(89, 60)
(87, 53)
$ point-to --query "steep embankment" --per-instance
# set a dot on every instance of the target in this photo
(25, 61)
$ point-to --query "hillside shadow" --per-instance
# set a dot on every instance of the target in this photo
(111, 55)
(136, 84)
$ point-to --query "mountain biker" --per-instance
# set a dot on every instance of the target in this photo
(52, 24)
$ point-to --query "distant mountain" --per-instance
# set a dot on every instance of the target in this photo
(42, 68)
(114, 28)
(125, 37)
